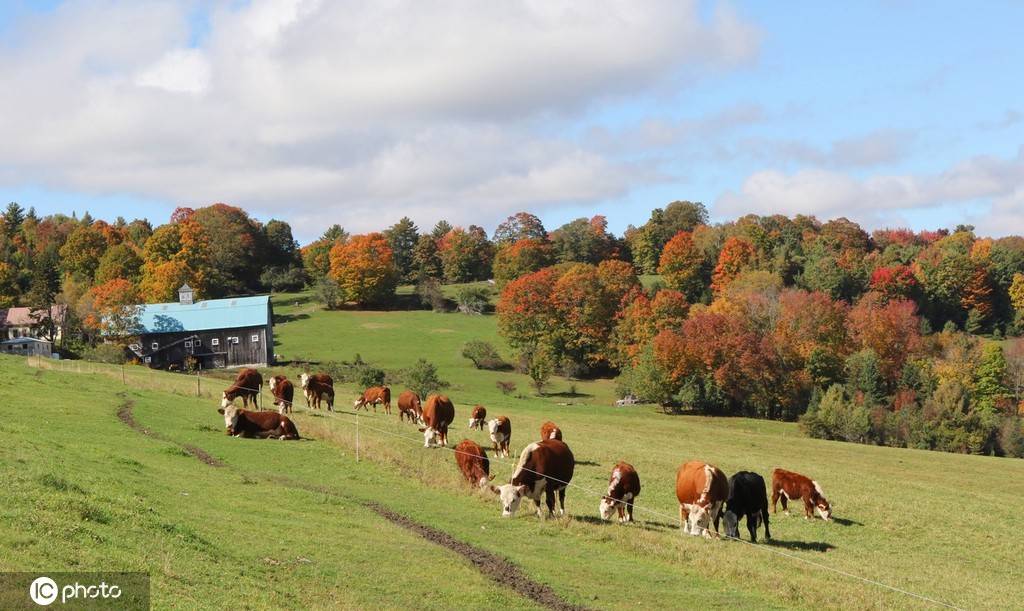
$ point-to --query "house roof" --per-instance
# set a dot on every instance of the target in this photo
(231, 313)
(23, 340)
(22, 317)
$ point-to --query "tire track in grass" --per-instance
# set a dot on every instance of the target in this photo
(497, 569)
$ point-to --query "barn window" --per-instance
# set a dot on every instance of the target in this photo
(215, 342)
(234, 340)
(198, 342)
(188, 343)
(155, 345)
(149, 359)
(255, 338)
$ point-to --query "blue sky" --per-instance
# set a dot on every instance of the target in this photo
(891, 113)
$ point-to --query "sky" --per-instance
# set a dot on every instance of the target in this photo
(891, 113)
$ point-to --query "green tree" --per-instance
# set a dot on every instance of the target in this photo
(120, 261)
(402, 238)
(422, 378)
(990, 387)
(540, 365)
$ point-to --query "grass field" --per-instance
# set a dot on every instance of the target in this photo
(280, 524)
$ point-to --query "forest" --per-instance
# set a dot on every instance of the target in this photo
(891, 337)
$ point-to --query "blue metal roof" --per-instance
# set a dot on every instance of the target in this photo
(231, 313)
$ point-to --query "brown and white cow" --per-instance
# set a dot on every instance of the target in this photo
(284, 392)
(550, 430)
(501, 434)
(375, 395)
(244, 423)
(317, 388)
(409, 406)
(788, 486)
(702, 489)
(623, 488)
(247, 386)
(544, 467)
(473, 463)
(438, 414)
(478, 417)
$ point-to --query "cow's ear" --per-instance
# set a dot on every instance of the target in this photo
(423, 430)
(522, 488)
(220, 410)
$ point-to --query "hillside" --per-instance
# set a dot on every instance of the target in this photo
(303, 524)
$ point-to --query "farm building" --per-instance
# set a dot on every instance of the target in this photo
(27, 346)
(232, 332)
(24, 322)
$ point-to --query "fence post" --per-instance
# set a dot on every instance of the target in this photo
(357, 436)
(122, 374)
(199, 383)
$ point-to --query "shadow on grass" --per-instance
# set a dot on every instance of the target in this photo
(283, 318)
(806, 546)
(645, 524)
(846, 522)
(568, 395)
(588, 463)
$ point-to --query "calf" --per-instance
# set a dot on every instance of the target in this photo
(247, 386)
(316, 388)
(550, 430)
(478, 417)
(473, 463)
(283, 391)
(788, 485)
(375, 395)
(544, 467)
(438, 414)
(409, 406)
(244, 423)
(747, 497)
(702, 489)
(623, 488)
(501, 434)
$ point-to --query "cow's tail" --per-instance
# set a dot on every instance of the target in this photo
(764, 518)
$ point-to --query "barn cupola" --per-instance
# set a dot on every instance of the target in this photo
(185, 295)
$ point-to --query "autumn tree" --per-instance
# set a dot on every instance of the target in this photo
(647, 241)
(114, 308)
(895, 282)
(176, 254)
(120, 261)
(520, 226)
(316, 256)
(466, 254)
(737, 254)
(233, 243)
(521, 257)
(682, 265)
(82, 251)
(364, 269)
(891, 329)
(583, 241)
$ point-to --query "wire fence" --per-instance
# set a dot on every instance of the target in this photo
(166, 382)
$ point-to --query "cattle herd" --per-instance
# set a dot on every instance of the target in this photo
(545, 467)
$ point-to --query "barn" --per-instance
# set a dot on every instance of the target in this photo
(213, 333)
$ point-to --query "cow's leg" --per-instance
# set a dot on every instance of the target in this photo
(716, 515)
(752, 526)
(808, 508)
(629, 511)
(549, 500)
(784, 499)
(683, 517)
(561, 500)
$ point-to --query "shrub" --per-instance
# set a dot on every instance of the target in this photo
(540, 366)
(106, 353)
(281, 279)
(429, 292)
(646, 380)
(484, 355)
(422, 378)
(327, 292)
(473, 299)
(368, 376)
(507, 387)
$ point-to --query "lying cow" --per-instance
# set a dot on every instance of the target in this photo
(702, 489)
(544, 467)
(409, 406)
(473, 463)
(747, 497)
(438, 414)
(550, 430)
(283, 391)
(623, 488)
(501, 434)
(317, 388)
(244, 423)
(375, 395)
(787, 485)
(478, 417)
(247, 386)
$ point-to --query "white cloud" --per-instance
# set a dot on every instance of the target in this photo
(344, 111)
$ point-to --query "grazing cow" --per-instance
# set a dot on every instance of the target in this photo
(409, 405)
(623, 488)
(283, 391)
(244, 423)
(247, 386)
(438, 414)
(747, 497)
(375, 395)
(544, 466)
(788, 485)
(702, 489)
(478, 417)
(316, 388)
(550, 430)
(501, 434)
(473, 462)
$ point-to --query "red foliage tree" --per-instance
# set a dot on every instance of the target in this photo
(895, 282)
(891, 329)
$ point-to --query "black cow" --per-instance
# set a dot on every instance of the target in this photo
(747, 497)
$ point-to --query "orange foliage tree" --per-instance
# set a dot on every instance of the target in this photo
(113, 308)
(737, 253)
(891, 329)
(364, 269)
(682, 265)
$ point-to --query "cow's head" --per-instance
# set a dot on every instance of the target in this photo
(358, 402)
(492, 426)
(510, 496)
(231, 414)
(699, 519)
(607, 507)
(225, 402)
(273, 383)
(821, 503)
(304, 379)
(732, 524)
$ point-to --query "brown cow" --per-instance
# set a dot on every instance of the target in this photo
(244, 423)
(788, 485)
(501, 434)
(316, 388)
(702, 489)
(283, 391)
(438, 414)
(544, 467)
(550, 430)
(247, 386)
(623, 488)
(478, 417)
(473, 462)
(409, 405)
(375, 395)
